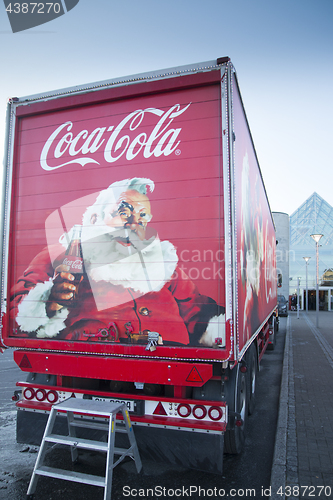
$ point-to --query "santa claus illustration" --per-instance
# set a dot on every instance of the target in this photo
(131, 284)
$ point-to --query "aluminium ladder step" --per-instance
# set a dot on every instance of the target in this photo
(68, 475)
(87, 444)
(102, 426)
(88, 406)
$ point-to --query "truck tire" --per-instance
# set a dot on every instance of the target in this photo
(271, 346)
(237, 398)
(252, 368)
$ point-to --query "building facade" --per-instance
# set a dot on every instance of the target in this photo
(281, 221)
(314, 216)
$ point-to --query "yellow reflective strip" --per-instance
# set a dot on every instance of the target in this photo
(128, 419)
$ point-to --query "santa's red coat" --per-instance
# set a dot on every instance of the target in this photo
(177, 311)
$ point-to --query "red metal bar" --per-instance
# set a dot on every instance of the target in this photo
(111, 368)
(263, 340)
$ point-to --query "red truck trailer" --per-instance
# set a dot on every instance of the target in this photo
(138, 257)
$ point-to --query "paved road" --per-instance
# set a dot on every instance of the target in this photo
(247, 475)
(15, 465)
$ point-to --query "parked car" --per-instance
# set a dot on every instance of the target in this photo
(282, 305)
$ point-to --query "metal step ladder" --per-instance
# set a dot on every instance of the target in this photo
(77, 411)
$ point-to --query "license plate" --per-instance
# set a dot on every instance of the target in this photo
(128, 402)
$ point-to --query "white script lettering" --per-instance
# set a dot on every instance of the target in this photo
(160, 140)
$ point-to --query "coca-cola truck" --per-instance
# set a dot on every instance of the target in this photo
(138, 257)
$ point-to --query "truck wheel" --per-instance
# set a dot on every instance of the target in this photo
(271, 346)
(272, 337)
(234, 437)
(252, 368)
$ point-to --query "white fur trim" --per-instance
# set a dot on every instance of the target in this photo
(54, 325)
(31, 311)
(32, 315)
(215, 329)
(146, 272)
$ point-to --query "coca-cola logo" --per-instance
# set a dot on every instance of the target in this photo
(117, 141)
(73, 264)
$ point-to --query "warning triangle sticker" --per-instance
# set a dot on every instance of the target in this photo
(159, 410)
(25, 363)
(194, 376)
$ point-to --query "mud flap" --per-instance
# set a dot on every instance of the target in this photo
(189, 449)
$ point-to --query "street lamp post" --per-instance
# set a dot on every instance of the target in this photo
(317, 238)
(298, 305)
(306, 281)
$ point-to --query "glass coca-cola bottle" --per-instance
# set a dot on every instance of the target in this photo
(73, 259)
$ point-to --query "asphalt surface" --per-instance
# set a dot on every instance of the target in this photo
(246, 475)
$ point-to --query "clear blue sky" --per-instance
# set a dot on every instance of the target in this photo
(282, 51)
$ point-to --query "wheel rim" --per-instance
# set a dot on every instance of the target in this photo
(253, 378)
(242, 399)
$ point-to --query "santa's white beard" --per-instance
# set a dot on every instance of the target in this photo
(143, 266)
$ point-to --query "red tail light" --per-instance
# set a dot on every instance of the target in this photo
(199, 411)
(215, 413)
(183, 410)
(52, 397)
(40, 395)
(29, 393)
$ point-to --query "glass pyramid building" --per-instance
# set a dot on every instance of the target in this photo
(315, 215)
